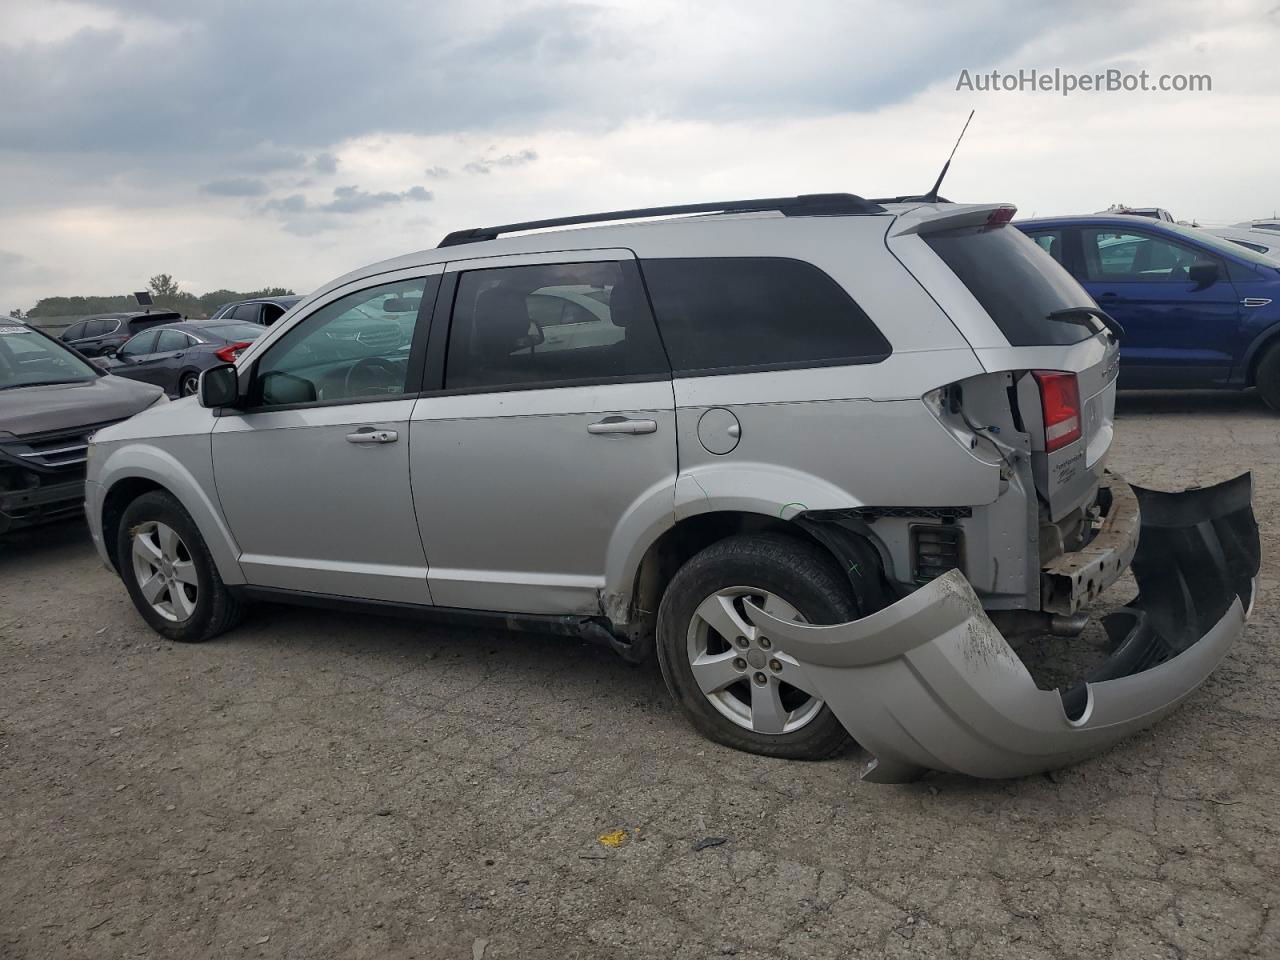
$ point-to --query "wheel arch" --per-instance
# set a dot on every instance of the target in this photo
(134, 469)
(633, 610)
(1263, 343)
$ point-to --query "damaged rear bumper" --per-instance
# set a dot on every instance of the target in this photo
(929, 683)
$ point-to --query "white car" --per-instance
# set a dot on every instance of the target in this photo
(1265, 242)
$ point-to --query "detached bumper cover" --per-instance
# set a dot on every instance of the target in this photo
(929, 683)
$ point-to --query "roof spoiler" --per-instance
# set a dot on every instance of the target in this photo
(928, 218)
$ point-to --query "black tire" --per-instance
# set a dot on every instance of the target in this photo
(1268, 377)
(796, 571)
(215, 610)
(189, 377)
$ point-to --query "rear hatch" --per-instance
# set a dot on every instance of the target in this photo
(1025, 315)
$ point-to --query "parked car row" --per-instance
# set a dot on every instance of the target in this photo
(173, 355)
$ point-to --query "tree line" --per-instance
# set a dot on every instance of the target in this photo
(164, 291)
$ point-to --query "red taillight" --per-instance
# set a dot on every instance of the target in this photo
(1060, 398)
(1001, 215)
(229, 353)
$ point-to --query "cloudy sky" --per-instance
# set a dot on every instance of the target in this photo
(240, 143)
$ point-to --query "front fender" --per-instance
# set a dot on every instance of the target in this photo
(186, 471)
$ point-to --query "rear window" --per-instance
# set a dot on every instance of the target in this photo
(232, 332)
(1017, 283)
(721, 314)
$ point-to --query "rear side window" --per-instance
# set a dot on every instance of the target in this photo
(722, 314)
(551, 325)
(171, 340)
(100, 328)
(1017, 283)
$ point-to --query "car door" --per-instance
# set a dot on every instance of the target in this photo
(313, 472)
(1177, 332)
(536, 455)
(91, 339)
(132, 357)
(157, 365)
(73, 333)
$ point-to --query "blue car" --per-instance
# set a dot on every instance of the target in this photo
(1197, 310)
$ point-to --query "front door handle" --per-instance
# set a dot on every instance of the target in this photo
(370, 435)
(622, 425)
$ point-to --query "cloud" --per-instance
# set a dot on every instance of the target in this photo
(325, 163)
(355, 200)
(486, 164)
(293, 204)
(236, 187)
(437, 172)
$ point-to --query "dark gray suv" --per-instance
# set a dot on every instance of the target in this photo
(51, 400)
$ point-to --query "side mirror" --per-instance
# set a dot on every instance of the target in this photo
(219, 386)
(1203, 273)
(111, 352)
(280, 388)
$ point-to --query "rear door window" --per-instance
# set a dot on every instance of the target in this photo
(1017, 283)
(171, 340)
(551, 325)
(100, 328)
(726, 314)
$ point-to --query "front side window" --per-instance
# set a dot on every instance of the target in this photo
(1126, 256)
(549, 325)
(354, 348)
(74, 332)
(727, 313)
(143, 343)
(101, 328)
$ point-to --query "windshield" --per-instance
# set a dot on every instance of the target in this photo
(1030, 297)
(29, 359)
(233, 332)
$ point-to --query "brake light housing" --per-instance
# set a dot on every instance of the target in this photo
(229, 353)
(1060, 401)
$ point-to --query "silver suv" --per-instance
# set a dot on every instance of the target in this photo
(817, 451)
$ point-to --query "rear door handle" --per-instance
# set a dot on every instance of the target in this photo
(622, 425)
(370, 435)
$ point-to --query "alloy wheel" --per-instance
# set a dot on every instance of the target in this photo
(165, 572)
(741, 670)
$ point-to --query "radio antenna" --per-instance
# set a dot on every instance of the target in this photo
(932, 195)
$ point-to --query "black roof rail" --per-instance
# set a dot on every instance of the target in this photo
(910, 198)
(805, 205)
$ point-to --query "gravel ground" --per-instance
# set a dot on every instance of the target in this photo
(323, 785)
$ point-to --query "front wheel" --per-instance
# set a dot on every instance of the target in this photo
(169, 572)
(733, 682)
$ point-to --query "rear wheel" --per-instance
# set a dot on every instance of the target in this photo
(1268, 377)
(169, 572)
(188, 384)
(735, 684)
